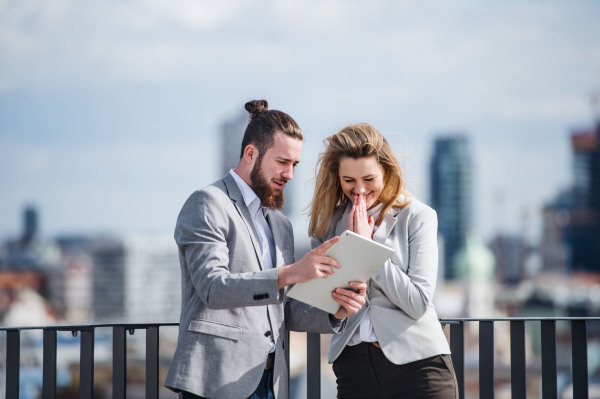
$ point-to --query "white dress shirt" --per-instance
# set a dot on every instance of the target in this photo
(258, 213)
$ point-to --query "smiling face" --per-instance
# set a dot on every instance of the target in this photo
(274, 168)
(363, 176)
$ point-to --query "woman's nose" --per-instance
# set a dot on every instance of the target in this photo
(359, 189)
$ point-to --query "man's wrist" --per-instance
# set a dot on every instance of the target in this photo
(282, 276)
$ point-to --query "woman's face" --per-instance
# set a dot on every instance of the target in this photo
(362, 176)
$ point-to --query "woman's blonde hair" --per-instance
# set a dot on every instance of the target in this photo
(355, 141)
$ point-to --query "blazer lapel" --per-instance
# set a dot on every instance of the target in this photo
(385, 228)
(238, 200)
(342, 224)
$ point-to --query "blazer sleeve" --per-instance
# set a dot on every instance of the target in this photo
(412, 291)
(205, 234)
(305, 318)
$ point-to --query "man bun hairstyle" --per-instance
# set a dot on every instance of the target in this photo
(264, 123)
(256, 107)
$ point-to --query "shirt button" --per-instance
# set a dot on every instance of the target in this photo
(268, 334)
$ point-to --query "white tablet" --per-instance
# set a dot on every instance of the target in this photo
(360, 258)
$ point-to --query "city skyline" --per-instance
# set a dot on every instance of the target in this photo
(110, 113)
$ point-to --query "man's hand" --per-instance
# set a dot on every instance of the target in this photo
(312, 265)
(352, 300)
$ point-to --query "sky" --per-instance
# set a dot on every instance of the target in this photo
(111, 111)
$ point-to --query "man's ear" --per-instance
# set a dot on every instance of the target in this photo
(250, 154)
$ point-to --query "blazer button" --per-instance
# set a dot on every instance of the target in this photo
(268, 334)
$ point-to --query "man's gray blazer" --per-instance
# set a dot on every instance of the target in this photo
(230, 305)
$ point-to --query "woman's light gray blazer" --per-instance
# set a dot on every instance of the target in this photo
(400, 293)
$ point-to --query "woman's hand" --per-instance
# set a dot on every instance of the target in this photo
(352, 300)
(359, 222)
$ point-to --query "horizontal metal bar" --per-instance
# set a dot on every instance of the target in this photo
(141, 326)
(81, 327)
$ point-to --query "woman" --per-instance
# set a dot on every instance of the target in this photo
(394, 347)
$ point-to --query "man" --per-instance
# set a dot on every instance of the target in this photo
(236, 251)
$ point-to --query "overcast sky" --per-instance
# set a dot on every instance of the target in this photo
(110, 111)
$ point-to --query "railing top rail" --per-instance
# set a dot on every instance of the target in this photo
(140, 326)
(80, 327)
(463, 319)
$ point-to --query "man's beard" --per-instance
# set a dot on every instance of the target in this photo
(267, 196)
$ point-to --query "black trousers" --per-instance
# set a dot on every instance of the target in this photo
(362, 371)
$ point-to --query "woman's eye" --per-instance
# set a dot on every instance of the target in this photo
(369, 179)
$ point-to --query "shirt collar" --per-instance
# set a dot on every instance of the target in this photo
(250, 198)
(375, 211)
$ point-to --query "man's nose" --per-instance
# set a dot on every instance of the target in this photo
(288, 172)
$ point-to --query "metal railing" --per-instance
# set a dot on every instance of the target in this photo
(486, 356)
(86, 358)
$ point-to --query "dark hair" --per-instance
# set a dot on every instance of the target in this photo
(264, 123)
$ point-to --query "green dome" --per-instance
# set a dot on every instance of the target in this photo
(474, 261)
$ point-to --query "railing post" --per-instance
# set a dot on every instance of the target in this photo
(579, 358)
(119, 363)
(518, 385)
(86, 364)
(549, 374)
(287, 356)
(152, 362)
(457, 349)
(49, 364)
(13, 363)
(313, 368)
(486, 359)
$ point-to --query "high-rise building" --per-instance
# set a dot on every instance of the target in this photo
(451, 195)
(583, 228)
(572, 220)
(30, 224)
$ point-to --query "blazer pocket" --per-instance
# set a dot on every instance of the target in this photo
(223, 330)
